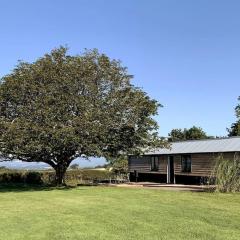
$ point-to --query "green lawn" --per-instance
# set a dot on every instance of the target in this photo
(117, 213)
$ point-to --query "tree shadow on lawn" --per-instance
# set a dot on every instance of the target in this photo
(31, 188)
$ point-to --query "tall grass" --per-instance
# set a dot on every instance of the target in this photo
(227, 174)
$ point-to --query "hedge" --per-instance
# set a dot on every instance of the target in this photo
(76, 176)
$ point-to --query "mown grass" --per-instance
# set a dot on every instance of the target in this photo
(117, 214)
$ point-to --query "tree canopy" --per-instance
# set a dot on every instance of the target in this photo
(234, 130)
(61, 107)
(192, 133)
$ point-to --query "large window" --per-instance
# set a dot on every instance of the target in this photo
(154, 163)
(186, 163)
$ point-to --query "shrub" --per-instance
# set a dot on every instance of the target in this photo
(19, 176)
(16, 177)
(33, 178)
(72, 177)
(5, 177)
(11, 177)
(227, 174)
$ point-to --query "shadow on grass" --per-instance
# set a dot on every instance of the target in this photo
(31, 188)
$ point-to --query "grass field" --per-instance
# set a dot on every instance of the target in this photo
(117, 214)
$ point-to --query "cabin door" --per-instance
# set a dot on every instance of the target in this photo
(170, 173)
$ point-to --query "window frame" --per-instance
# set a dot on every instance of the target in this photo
(154, 163)
(186, 163)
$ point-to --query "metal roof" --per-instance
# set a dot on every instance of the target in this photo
(218, 145)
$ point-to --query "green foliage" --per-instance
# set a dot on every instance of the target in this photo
(227, 174)
(17, 177)
(234, 130)
(34, 178)
(72, 177)
(61, 107)
(119, 165)
(177, 135)
(193, 133)
(237, 109)
(12, 177)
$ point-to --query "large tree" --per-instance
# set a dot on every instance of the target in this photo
(192, 133)
(234, 130)
(61, 107)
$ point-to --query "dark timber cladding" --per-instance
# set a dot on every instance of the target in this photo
(190, 161)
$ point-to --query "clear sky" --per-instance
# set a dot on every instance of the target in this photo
(185, 54)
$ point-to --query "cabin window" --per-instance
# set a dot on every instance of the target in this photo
(186, 162)
(154, 163)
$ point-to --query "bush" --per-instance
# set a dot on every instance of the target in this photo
(18, 176)
(5, 178)
(11, 177)
(227, 174)
(72, 177)
(33, 178)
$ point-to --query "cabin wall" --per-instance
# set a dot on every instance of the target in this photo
(139, 163)
(142, 164)
(202, 164)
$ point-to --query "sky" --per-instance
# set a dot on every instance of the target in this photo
(185, 54)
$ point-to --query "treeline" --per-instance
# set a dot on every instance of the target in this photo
(193, 133)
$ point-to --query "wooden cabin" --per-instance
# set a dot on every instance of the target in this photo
(187, 162)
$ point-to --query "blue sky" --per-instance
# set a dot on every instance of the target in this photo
(185, 54)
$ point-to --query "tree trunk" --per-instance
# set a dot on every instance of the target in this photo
(60, 170)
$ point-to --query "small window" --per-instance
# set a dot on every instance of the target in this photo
(154, 163)
(186, 162)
